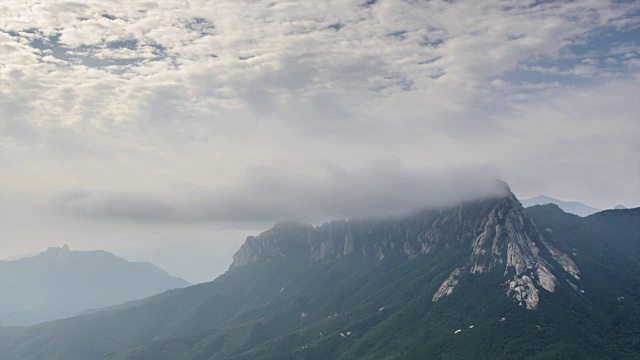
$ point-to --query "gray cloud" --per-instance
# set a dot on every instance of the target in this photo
(268, 195)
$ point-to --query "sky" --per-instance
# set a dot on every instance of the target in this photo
(169, 131)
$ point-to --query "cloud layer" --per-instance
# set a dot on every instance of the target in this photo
(268, 195)
(143, 67)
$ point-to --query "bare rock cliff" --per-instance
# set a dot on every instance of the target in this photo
(494, 232)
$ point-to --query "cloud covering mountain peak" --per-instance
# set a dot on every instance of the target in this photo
(268, 195)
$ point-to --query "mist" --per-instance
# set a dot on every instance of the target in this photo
(267, 195)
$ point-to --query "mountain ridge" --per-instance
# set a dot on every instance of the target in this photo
(59, 283)
(498, 235)
(289, 296)
(571, 207)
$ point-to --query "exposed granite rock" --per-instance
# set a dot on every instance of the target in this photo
(523, 290)
(564, 260)
(546, 278)
(495, 231)
(447, 286)
(283, 240)
(348, 244)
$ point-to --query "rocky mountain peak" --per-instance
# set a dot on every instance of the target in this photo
(494, 233)
(510, 242)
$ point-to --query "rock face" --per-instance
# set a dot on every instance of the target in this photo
(564, 260)
(280, 241)
(494, 232)
(447, 286)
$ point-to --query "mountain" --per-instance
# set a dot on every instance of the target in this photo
(479, 280)
(620, 207)
(570, 207)
(60, 283)
(21, 256)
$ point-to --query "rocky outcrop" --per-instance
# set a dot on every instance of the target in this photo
(507, 228)
(283, 240)
(410, 237)
(447, 286)
(546, 279)
(564, 260)
(523, 290)
(494, 232)
(348, 244)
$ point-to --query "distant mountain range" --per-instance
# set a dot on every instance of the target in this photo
(484, 279)
(59, 283)
(571, 207)
(21, 256)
